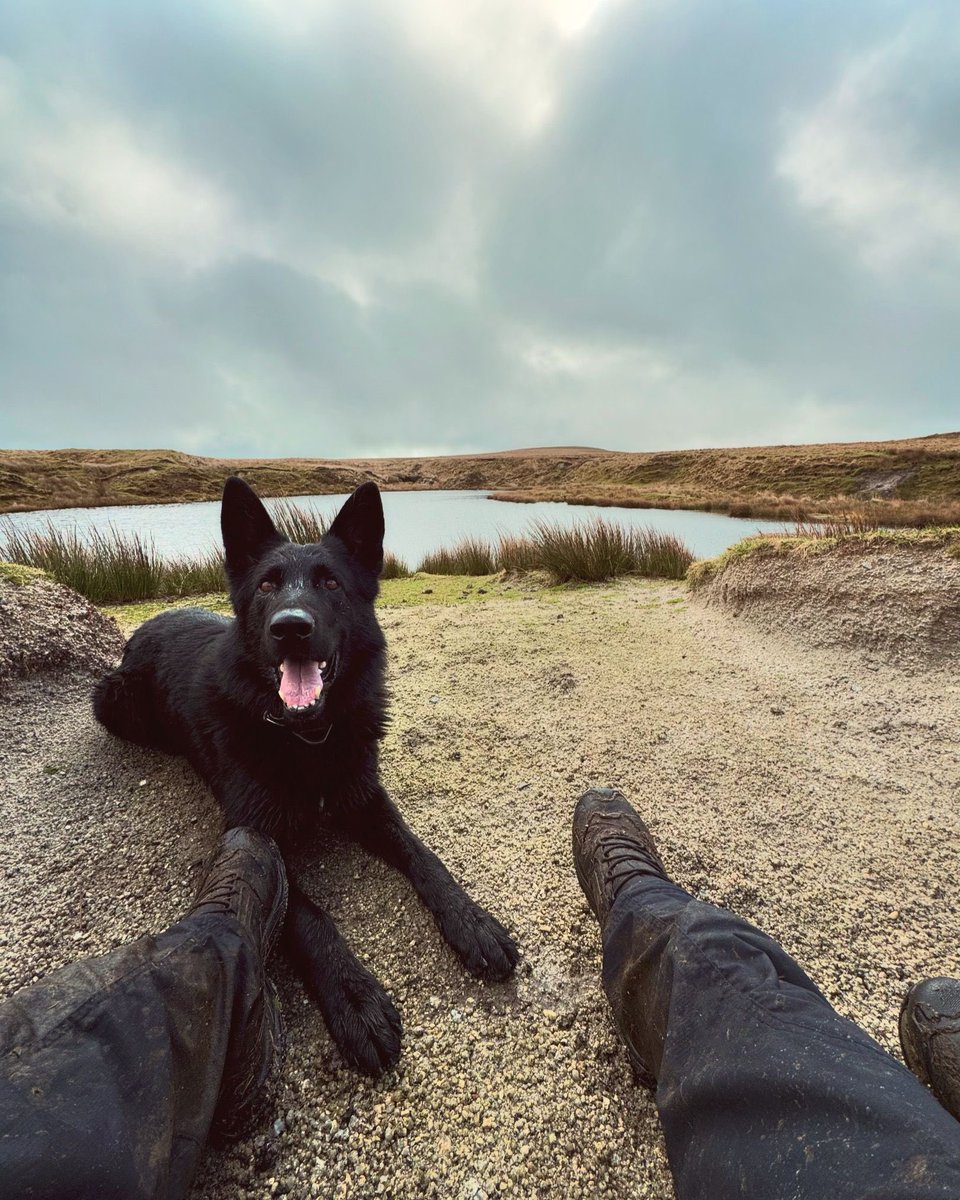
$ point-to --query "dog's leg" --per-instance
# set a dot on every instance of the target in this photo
(359, 1014)
(484, 946)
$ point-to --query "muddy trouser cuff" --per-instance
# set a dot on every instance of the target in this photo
(110, 1068)
(764, 1091)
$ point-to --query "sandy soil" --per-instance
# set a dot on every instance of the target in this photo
(814, 792)
(897, 596)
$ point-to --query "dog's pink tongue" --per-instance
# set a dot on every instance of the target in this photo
(299, 683)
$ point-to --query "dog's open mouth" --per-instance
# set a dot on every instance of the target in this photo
(302, 684)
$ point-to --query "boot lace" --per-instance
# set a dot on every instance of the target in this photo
(222, 896)
(620, 854)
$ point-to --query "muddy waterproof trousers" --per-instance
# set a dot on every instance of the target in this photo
(110, 1068)
(763, 1090)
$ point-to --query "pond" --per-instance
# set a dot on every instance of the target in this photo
(417, 522)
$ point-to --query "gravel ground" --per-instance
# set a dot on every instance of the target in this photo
(813, 792)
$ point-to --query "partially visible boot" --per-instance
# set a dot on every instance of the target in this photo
(930, 1038)
(246, 880)
(611, 847)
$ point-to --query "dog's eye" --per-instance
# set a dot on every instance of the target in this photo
(268, 586)
(331, 584)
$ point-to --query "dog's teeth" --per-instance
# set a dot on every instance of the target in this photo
(323, 666)
(316, 693)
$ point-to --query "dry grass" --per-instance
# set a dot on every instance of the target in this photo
(906, 514)
(394, 567)
(593, 551)
(299, 524)
(111, 567)
(839, 537)
(588, 552)
(910, 482)
(469, 556)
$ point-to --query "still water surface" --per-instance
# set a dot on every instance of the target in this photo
(417, 522)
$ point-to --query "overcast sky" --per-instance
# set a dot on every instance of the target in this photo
(265, 227)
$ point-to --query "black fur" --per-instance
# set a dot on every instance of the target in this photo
(201, 685)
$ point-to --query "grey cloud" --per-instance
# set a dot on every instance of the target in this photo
(376, 260)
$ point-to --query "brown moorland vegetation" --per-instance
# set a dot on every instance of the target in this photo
(914, 481)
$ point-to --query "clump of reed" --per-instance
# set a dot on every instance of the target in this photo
(839, 525)
(199, 576)
(587, 552)
(469, 556)
(592, 551)
(110, 567)
(394, 567)
(299, 524)
(516, 555)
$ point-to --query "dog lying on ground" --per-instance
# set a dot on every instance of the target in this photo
(281, 710)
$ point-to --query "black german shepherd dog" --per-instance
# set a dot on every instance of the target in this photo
(281, 711)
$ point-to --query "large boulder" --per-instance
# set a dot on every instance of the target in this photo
(46, 627)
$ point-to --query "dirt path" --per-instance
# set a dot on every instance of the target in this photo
(812, 792)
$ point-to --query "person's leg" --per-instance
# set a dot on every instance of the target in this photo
(763, 1089)
(113, 1069)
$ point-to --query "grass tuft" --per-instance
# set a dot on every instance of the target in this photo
(839, 525)
(299, 524)
(586, 553)
(107, 566)
(469, 556)
(115, 568)
(516, 555)
(111, 567)
(596, 550)
(394, 567)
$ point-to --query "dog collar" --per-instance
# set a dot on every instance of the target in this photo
(302, 736)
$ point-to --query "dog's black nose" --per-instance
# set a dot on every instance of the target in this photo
(291, 622)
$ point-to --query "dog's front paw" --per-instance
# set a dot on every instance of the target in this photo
(363, 1021)
(485, 947)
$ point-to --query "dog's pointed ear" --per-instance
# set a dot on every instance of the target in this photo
(359, 526)
(248, 531)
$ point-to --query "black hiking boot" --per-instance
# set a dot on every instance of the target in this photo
(930, 1038)
(611, 847)
(246, 880)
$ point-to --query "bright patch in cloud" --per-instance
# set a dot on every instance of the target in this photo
(82, 167)
(854, 159)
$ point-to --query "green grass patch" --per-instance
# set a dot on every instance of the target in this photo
(394, 593)
(131, 616)
(18, 575)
